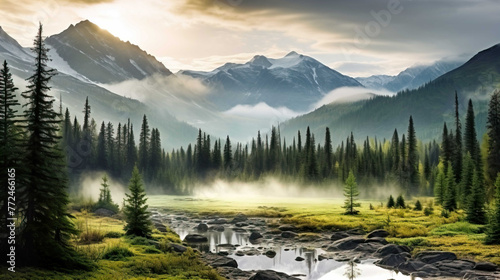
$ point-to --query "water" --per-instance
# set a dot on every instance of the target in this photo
(310, 268)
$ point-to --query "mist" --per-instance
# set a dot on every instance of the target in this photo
(275, 187)
(350, 94)
(90, 184)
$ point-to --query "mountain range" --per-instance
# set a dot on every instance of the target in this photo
(123, 81)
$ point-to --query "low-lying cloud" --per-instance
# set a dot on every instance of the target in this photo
(262, 111)
(90, 185)
(350, 94)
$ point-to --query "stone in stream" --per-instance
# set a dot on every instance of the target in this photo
(393, 260)
(215, 260)
(299, 259)
(239, 218)
(217, 221)
(347, 243)
(485, 266)
(288, 234)
(255, 235)
(435, 256)
(270, 254)
(454, 268)
(194, 238)
(339, 235)
(391, 249)
(218, 228)
(241, 224)
(288, 228)
(202, 227)
(271, 275)
(378, 233)
(410, 266)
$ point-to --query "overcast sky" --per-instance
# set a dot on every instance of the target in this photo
(355, 37)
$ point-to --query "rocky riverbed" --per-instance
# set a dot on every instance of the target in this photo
(227, 243)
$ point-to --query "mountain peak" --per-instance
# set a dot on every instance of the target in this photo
(292, 53)
(87, 24)
(260, 60)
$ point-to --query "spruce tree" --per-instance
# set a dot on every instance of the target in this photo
(450, 195)
(471, 144)
(400, 202)
(144, 146)
(440, 187)
(46, 228)
(457, 153)
(412, 166)
(328, 151)
(135, 208)
(475, 203)
(105, 201)
(466, 180)
(390, 202)
(102, 149)
(493, 231)
(351, 193)
(493, 127)
(228, 154)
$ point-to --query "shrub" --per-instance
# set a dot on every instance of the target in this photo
(400, 202)
(113, 234)
(152, 250)
(428, 211)
(117, 254)
(391, 203)
(418, 206)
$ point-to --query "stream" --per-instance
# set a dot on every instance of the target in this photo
(301, 260)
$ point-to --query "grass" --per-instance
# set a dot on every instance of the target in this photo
(313, 215)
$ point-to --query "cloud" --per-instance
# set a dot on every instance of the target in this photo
(350, 94)
(262, 111)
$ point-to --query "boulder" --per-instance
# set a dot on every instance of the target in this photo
(215, 260)
(288, 234)
(241, 224)
(454, 267)
(288, 228)
(380, 240)
(255, 235)
(392, 261)
(202, 227)
(217, 221)
(339, 235)
(347, 243)
(435, 256)
(271, 275)
(368, 248)
(485, 266)
(410, 266)
(299, 259)
(194, 238)
(178, 248)
(378, 233)
(239, 218)
(270, 254)
(218, 228)
(391, 249)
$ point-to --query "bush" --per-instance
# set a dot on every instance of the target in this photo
(418, 206)
(91, 236)
(445, 213)
(411, 242)
(400, 202)
(117, 254)
(113, 234)
(152, 250)
(457, 228)
(428, 211)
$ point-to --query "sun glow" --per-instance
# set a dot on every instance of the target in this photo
(113, 21)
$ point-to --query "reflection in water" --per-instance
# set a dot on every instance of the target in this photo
(352, 271)
(285, 259)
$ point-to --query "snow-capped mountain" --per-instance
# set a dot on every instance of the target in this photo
(73, 88)
(100, 57)
(294, 81)
(410, 78)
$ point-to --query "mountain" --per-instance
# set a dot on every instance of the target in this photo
(430, 105)
(106, 105)
(410, 78)
(101, 57)
(294, 81)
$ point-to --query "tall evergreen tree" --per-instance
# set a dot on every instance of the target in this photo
(471, 144)
(351, 193)
(46, 227)
(450, 196)
(412, 166)
(131, 150)
(136, 209)
(328, 151)
(228, 154)
(102, 149)
(155, 153)
(493, 231)
(475, 204)
(493, 126)
(457, 153)
(144, 146)
(440, 187)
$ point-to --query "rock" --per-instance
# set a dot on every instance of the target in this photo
(239, 218)
(241, 224)
(271, 275)
(202, 227)
(270, 254)
(252, 252)
(299, 259)
(485, 266)
(239, 253)
(430, 270)
(234, 273)
(356, 231)
(348, 243)
(160, 227)
(103, 212)
(215, 260)
(194, 238)
(435, 256)
(288, 234)
(380, 240)
(217, 221)
(339, 235)
(368, 248)
(378, 233)
(218, 228)
(322, 257)
(223, 253)
(392, 261)
(178, 248)
(288, 228)
(410, 266)
(236, 229)
(391, 249)
(255, 235)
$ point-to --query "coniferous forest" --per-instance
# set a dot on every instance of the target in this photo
(46, 152)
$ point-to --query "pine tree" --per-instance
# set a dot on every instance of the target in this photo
(493, 231)
(86, 145)
(412, 166)
(10, 145)
(493, 126)
(155, 153)
(457, 153)
(328, 151)
(105, 201)
(440, 187)
(144, 146)
(46, 228)
(466, 180)
(351, 193)
(228, 154)
(395, 152)
(390, 202)
(450, 195)
(400, 202)
(102, 159)
(131, 150)
(475, 204)
(471, 144)
(135, 209)
(418, 206)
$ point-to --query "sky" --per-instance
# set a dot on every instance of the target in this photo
(354, 37)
